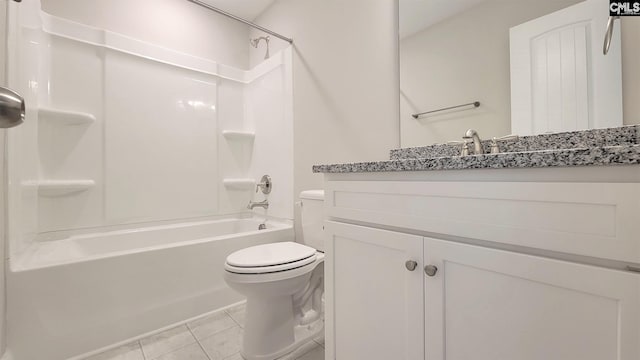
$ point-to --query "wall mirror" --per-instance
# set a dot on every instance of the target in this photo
(533, 66)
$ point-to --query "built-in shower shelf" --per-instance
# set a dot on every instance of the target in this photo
(239, 135)
(239, 184)
(55, 188)
(65, 117)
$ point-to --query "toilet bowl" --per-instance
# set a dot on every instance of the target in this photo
(283, 284)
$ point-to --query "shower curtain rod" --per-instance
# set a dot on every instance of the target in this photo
(222, 12)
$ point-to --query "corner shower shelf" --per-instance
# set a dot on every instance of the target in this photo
(65, 117)
(239, 184)
(239, 135)
(55, 188)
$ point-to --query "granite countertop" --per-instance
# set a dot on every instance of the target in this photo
(614, 146)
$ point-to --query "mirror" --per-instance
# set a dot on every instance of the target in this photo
(534, 67)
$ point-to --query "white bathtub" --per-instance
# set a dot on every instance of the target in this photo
(68, 297)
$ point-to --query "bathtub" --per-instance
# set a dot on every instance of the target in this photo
(72, 296)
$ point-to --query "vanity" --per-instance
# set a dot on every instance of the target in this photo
(529, 254)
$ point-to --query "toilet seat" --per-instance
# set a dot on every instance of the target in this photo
(270, 258)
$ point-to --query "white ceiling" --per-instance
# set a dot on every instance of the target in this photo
(416, 15)
(246, 9)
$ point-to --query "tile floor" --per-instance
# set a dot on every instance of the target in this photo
(214, 337)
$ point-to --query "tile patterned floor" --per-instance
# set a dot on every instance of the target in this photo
(215, 337)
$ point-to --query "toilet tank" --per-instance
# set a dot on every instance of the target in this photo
(312, 217)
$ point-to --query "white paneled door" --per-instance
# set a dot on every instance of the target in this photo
(560, 79)
(374, 297)
(487, 304)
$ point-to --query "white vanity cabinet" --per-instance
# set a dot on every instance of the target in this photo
(493, 296)
(488, 304)
(375, 302)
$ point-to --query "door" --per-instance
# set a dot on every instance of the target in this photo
(374, 298)
(560, 79)
(487, 304)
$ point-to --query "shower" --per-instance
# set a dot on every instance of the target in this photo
(105, 113)
(256, 41)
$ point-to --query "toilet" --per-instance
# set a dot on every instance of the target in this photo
(283, 283)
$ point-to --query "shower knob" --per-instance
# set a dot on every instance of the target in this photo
(11, 108)
(265, 184)
(430, 270)
(411, 265)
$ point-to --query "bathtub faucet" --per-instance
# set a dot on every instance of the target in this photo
(263, 204)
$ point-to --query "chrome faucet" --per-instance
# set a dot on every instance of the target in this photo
(263, 204)
(477, 143)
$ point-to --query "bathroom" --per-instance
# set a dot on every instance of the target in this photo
(131, 242)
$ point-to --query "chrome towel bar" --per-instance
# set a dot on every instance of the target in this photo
(475, 105)
(608, 34)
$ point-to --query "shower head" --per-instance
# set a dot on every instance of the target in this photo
(256, 41)
(11, 108)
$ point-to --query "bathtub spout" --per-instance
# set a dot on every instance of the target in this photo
(263, 204)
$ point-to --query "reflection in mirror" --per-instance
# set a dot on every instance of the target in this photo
(534, 66)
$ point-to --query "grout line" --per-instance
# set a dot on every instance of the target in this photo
(234, 319)
(232, 355)
(141, 351)
(144, 355)
(218, 331)
(172, 350)
(199, 344)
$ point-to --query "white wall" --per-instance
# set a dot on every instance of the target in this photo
(460, 60)
(345, 80)
(175, 24)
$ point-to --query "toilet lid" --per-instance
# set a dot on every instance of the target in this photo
(274, 254)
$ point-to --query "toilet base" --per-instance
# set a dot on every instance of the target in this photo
(284, 309)
(302, 335)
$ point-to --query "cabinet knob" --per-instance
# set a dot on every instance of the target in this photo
(430, 270)
(411, 265)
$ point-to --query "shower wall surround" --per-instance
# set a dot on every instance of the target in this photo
(205, 34)
(120, 131)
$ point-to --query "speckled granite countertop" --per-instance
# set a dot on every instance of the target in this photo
(614, 146)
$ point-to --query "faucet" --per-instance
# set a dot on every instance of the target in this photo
(263, 204)
(477, 143)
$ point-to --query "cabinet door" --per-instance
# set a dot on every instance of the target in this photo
(374, 303)
(487, 304)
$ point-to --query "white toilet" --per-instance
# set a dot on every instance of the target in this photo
(283, 284)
